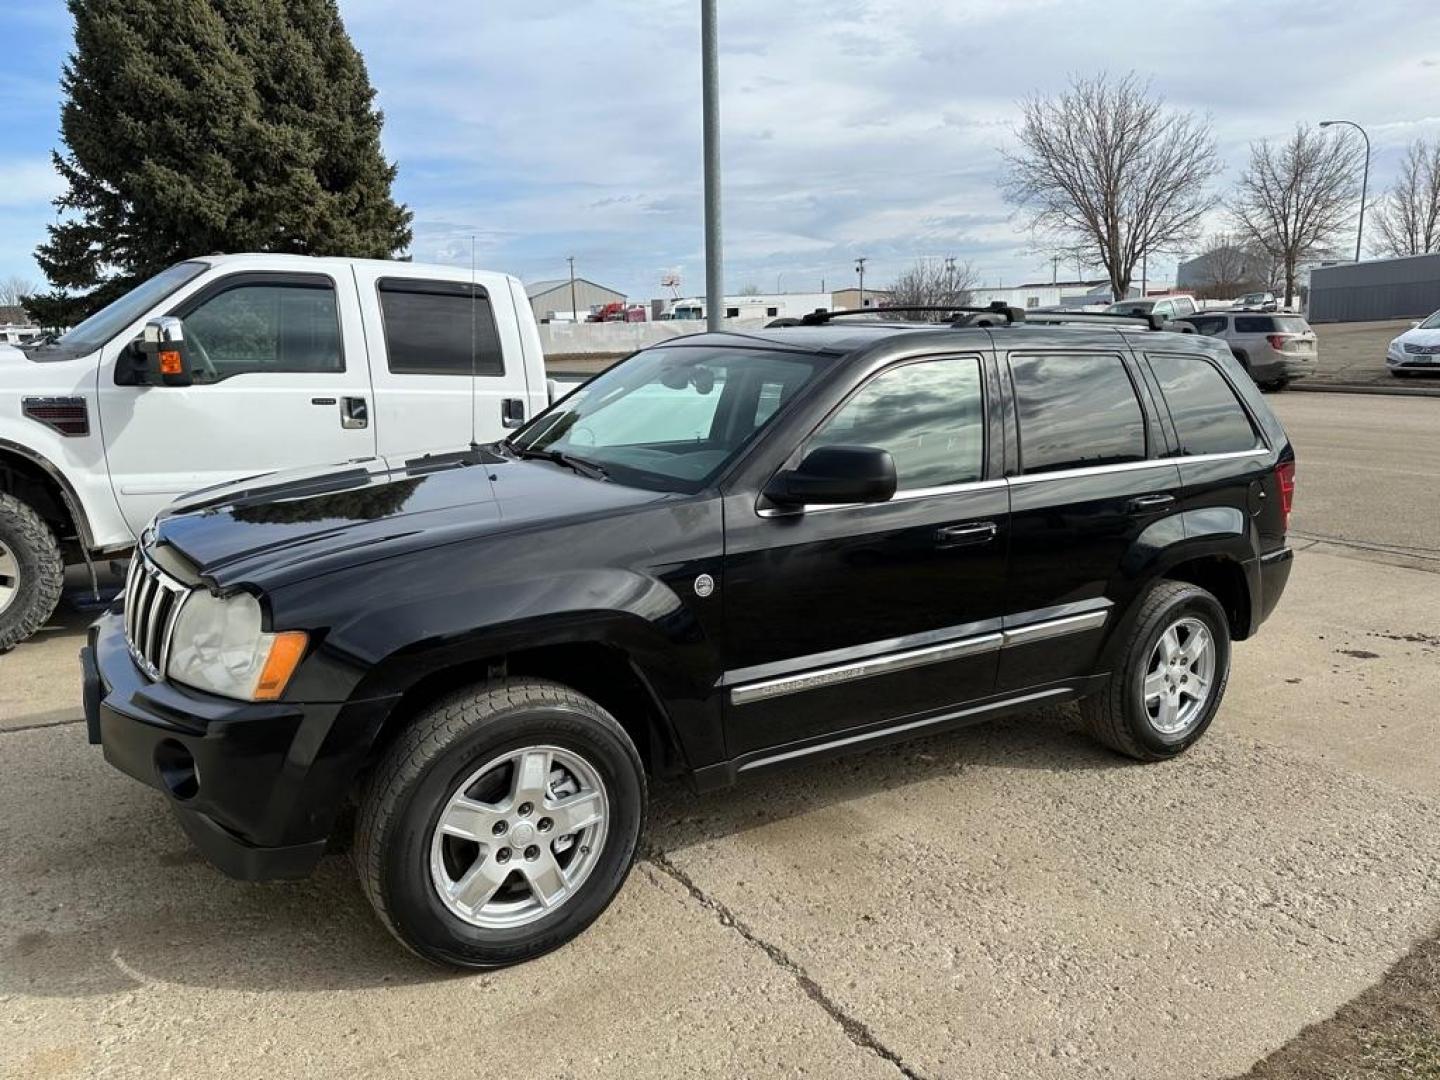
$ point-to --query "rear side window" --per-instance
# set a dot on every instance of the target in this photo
(930, 416)
(439, 328)
(1208, 417)
(1254, 324)
(1076, 411)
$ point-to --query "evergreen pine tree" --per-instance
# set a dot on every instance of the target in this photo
(198, 126)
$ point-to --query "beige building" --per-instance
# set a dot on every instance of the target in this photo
(551, 299)
(849, 299)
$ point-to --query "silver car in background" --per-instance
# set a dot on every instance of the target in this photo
(1276, 348)
(1416, 350)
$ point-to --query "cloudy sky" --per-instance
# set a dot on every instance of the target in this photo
(850, 127)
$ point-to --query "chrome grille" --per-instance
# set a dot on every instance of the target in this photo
(153, 600)
(1421, 350)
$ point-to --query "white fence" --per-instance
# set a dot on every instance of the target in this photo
(617, 339)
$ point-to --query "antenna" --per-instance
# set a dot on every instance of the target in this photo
(474, 372)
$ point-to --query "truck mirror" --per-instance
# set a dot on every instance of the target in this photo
(163, 346)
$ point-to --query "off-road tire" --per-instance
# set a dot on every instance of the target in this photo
(42, 571)
(403, 797)
(1116, 716)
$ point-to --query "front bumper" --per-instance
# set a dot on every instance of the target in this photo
(256, 786)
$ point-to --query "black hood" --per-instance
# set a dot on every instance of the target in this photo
(282, 527)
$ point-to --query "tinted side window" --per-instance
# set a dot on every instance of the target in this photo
(930, 416)
(1076, 411)
(439, 328)
(1209, 418)
(262, 327)
(1254, 324)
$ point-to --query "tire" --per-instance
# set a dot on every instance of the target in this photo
(1274, 386)
(32, 573)
(403, 859)
(1120, 717)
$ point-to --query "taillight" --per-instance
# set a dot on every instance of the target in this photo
(1285, 477)
(1277, 341)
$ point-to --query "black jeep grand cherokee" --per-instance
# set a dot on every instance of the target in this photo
(728, 552)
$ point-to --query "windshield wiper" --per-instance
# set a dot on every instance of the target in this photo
(570, 461)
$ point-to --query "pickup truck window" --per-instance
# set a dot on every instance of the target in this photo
(1208, 417)
(930, 416)
(671, 418)
(265, 327)
(439, 328)
(1076, 411)
(115, 316)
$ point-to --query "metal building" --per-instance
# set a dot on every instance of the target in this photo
(551, 299)
(1405, 288)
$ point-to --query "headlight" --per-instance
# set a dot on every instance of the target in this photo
(218, 645)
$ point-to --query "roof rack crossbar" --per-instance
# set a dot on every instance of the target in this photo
(1149, 318)
(1011, 314)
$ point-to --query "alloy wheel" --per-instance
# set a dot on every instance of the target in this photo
(9, 577)
(1179, 677)
(518, 838)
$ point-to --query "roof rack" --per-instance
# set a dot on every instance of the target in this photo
(1151, 320)
(820, 316)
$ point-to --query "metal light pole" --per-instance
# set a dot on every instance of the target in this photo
(571, 260)
(710, 117)
(860, 269)
(1364, 180)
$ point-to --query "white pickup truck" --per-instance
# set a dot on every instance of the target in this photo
(232, 365)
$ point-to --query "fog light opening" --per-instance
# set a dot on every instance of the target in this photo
(178, 773)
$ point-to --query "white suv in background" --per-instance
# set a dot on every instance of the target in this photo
(1416, 350)
(1167, 307)
(1276, 348)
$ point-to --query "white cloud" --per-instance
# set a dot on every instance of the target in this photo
(27, 183)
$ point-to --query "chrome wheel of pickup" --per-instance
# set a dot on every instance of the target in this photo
(1179, 676)
(518, 838)
(9, 577)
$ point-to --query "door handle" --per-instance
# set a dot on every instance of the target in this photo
(1146, 503)
(975, 532)
(354, 412)
(512, 412)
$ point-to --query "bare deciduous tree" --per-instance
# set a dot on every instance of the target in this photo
(1295, 199)
(1108, 170)
(1228, 267)
(1408, 215)
(932, 283)
(14, 289)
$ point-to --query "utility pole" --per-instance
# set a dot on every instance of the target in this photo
(1364, 182)
(1144, 274)
(950, 279)
(860, 269)
(1054, 269)
(710, 122)
(571, 260)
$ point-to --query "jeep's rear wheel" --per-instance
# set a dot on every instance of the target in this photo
(1171, 676)
(501, 823)
(32, 572)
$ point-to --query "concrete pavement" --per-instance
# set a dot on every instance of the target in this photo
(1007, 901)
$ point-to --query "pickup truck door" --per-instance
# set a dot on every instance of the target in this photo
(446, 358)
(839, 618)
(281, 380)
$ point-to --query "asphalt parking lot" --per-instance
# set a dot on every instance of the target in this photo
(1006, 901)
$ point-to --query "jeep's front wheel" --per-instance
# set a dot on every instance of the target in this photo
(1170, 677)
(32, 573)
(501, 823)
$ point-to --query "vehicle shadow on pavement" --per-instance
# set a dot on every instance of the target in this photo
(1051, 739)
(118, 899)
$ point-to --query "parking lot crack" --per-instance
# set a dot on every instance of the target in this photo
(855, 1030)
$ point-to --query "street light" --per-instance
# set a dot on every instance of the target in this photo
(1364, 182)
(710, 123)
(860, 269)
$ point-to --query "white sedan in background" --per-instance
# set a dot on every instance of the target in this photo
(1417, 349)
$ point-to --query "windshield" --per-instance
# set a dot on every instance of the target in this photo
(1134, 307)
(670, 418)
(1432, 323)
(115, 316)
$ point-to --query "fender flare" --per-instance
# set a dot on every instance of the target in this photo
(68, 495)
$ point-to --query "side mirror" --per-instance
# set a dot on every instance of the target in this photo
(832, 475)
(163, 346)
